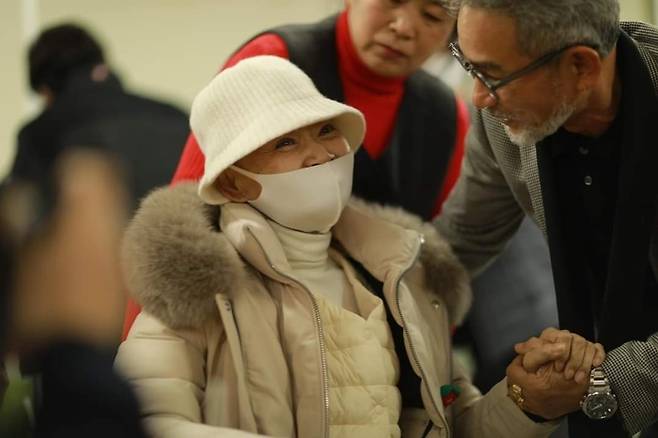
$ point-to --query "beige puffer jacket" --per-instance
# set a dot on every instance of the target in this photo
(229, 345)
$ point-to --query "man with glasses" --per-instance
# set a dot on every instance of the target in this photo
(565, 132)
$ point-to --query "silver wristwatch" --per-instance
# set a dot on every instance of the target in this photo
(599, 403)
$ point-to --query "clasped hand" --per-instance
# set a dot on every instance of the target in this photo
(552, 372)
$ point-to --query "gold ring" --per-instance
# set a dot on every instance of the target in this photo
(516, 394)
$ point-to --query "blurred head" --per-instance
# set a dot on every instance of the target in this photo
(56, 53)
(394, 37)
(536, 63)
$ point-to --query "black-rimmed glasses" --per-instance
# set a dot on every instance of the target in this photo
(494, 84)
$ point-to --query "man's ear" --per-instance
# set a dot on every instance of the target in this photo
(586, 64)
(237, 187)
(47, 94)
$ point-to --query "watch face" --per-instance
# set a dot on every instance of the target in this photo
(600, 405)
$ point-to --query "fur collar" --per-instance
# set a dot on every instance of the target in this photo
(175, 259)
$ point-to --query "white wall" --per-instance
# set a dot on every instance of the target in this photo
(12, 106)
(641, 10)
(165, 48)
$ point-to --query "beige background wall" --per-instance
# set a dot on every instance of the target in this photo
(164, 48)
(637, 10)
(12, 90)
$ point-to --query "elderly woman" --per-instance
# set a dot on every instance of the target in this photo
(275, 306)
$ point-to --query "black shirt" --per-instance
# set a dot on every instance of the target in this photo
(587, 177)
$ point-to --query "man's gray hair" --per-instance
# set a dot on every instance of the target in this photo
(547, 25)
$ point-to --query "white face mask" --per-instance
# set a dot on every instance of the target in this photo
(309, 199)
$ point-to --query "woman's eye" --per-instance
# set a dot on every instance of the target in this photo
(432, 18)
(327, 128)
(283, 143)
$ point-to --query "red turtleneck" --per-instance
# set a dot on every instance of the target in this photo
(377, 97)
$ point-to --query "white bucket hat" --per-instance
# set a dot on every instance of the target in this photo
(253, 102)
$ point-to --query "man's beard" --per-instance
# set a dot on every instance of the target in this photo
(535, 131)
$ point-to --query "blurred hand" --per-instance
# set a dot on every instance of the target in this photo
(570, 353)
(67, 283)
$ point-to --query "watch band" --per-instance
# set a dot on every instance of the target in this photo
(598, 381)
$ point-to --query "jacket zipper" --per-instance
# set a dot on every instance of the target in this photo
(320, 330)
(428, 428)
(421, 240)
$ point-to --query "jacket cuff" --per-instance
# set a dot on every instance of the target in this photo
(630, 369)
(516, 416)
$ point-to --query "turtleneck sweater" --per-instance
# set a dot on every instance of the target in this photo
(308, 257)
(362, 364)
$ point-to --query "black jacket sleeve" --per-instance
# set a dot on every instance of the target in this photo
(84, 397)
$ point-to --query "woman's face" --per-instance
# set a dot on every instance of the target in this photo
(303, 147)
(394, 37)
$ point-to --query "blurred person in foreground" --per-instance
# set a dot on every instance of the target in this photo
(273, 305)
(61, 298)
(565, 133)
(85, 104)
